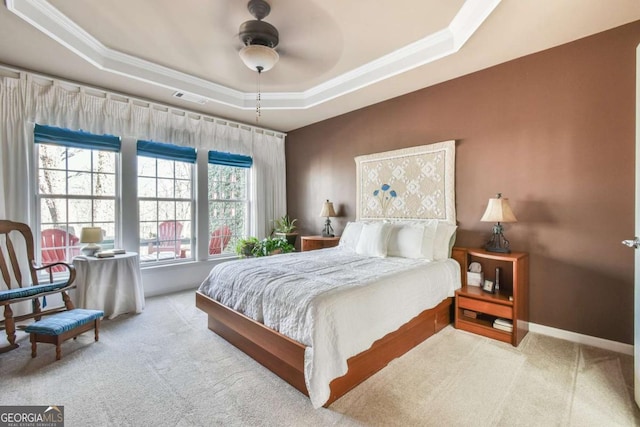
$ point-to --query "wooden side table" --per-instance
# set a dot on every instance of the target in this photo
(476, 310)
(311, 243)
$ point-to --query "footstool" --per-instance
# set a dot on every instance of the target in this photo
(59, 327)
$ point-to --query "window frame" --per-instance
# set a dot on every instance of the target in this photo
(126, 220)
(168, 153)
(68, 140)
(247, 209)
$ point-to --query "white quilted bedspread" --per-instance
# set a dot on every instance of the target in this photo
(334, 301)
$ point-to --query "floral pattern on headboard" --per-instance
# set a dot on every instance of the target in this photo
(410, 183)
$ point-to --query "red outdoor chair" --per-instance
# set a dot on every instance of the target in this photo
(219, 240)
(54, 242)
(169, 236)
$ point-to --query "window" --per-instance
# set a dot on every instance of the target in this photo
(165, 201)
(86, 180)
(77, 187)
(228, 200)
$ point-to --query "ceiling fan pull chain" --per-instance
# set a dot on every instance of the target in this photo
(258, 96)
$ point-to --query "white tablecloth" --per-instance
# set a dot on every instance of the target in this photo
(113, 285)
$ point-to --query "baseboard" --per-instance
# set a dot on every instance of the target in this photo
(582, 339)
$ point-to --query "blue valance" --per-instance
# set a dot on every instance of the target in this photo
(161, 150)
(228, 159)
(75, 138)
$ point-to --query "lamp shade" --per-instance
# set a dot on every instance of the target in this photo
(91, 235)
(327, 209)
(498, 210)
(258, 57)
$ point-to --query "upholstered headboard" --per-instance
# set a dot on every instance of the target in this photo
(414, 183)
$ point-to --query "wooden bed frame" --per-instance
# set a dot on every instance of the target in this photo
(285, 357)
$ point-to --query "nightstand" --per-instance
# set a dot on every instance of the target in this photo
(311, 243)
(476, 310)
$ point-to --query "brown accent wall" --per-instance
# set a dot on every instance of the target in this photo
(554, 132)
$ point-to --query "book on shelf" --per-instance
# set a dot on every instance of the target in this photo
(503, 324)
(503, 328)
(470, 313)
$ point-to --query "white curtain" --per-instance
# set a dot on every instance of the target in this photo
(14, 155)
(25, 100)
(269, 173)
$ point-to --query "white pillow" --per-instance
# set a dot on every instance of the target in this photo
(442, 242)
(405, 240)
(428, 238)
(350, 236)
(373, 239)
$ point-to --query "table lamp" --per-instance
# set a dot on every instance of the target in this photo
(327, 211)
(498, 210)
(90, 235)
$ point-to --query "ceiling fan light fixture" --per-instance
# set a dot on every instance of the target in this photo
(258, 57)
(260, 39)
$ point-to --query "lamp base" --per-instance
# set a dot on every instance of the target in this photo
(497, 243)
(328, 230)
(498, 249)
(90, 249)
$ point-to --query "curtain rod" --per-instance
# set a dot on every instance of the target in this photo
(18, 73)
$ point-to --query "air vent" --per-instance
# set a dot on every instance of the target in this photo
(190, 97)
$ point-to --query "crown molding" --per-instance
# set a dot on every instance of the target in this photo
(49, 20)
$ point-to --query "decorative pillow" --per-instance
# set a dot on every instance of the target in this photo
(442, 243)
(405, 240)
(350, 235)
(373, 239)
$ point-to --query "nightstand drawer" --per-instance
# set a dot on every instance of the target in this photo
(311, 243)
(485, 307)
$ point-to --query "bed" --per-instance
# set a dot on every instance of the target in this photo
(326, 320)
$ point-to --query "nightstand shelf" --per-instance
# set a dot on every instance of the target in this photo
(476, 310)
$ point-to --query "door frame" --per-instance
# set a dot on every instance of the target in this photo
(636, 292)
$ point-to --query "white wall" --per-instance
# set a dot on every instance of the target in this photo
(164, 279)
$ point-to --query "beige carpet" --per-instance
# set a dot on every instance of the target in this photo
(165, 368)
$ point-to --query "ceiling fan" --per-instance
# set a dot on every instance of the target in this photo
(259, 38)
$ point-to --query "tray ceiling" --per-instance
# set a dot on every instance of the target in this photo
(335, 55)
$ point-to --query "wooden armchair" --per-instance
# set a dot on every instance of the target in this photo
(16, 250)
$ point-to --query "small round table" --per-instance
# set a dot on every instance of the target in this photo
(113, 285)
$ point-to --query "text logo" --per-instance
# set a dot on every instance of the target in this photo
(32, 416)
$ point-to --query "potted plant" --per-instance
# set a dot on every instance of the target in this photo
(245, 247)
(272, 246)
(252, 247)
(285, 227)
